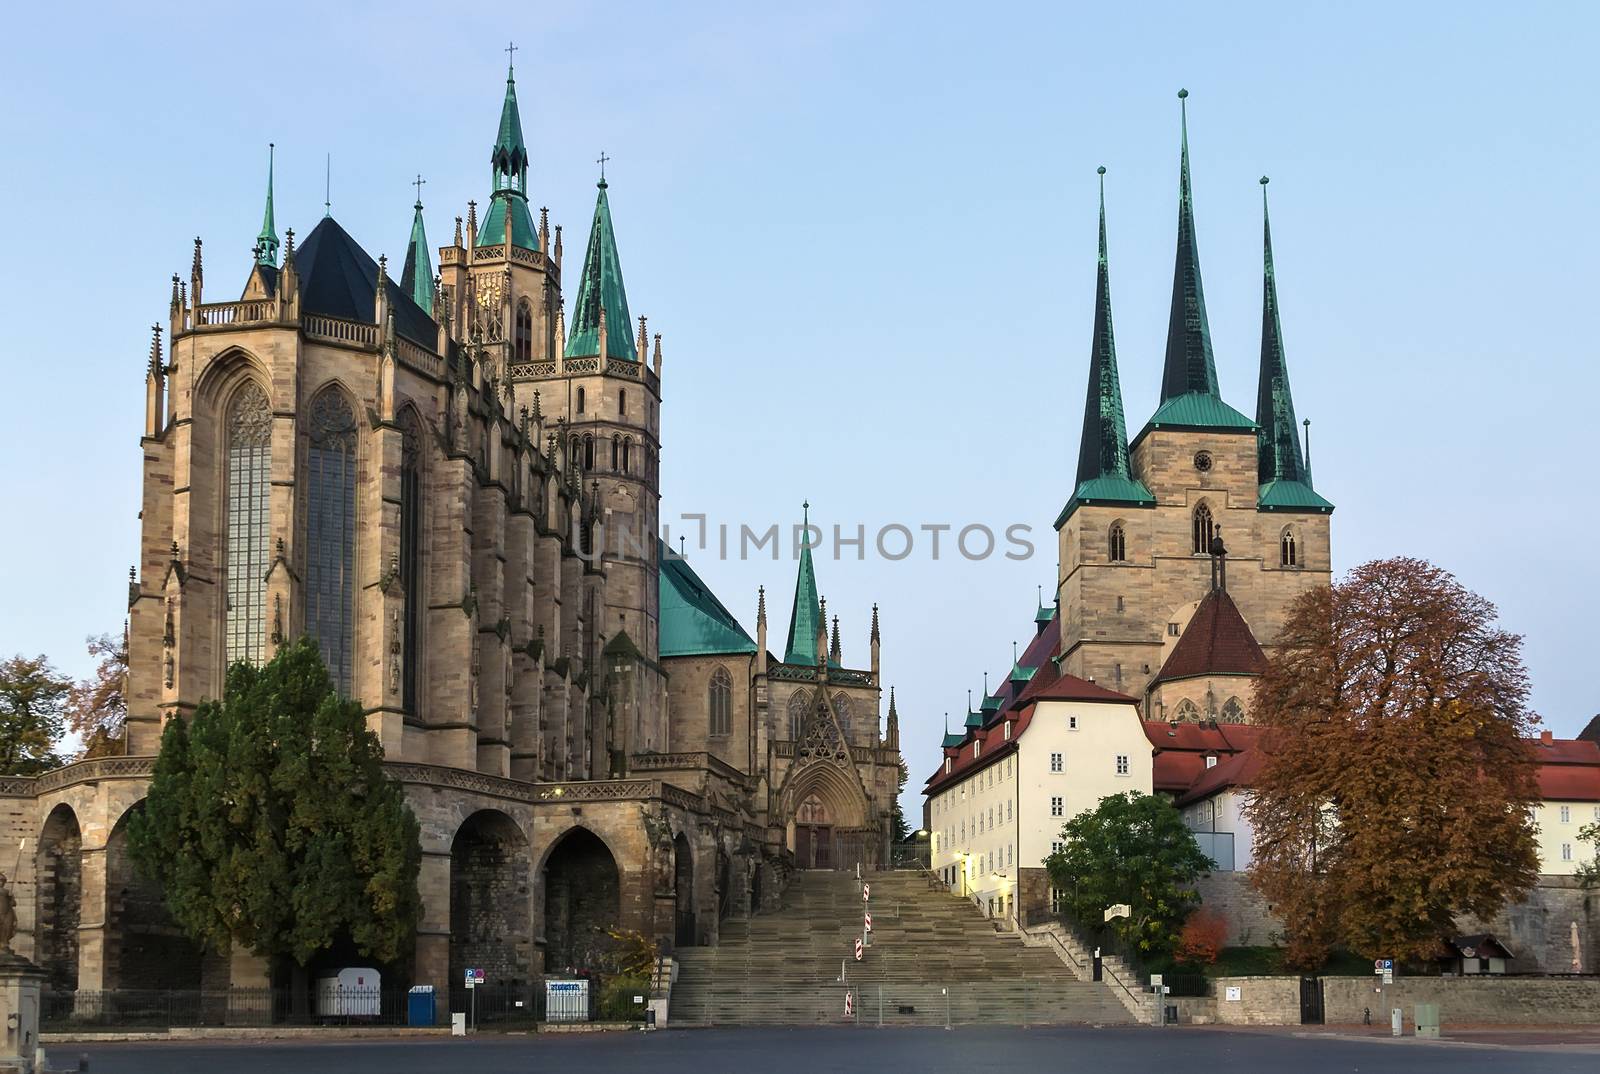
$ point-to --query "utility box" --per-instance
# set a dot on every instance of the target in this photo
(1428, 1020)
(566, 1001)
(419, 1006)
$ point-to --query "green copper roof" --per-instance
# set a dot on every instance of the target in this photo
(1196, 410)
(1045, 613)
(1103, 471)
(1020, 673)
(805, 618)
(952, 740)
(267, 241)
(601, 282)
(974, 719)
(991, 703)
(1291, 496)
(1189, 366)
(509, 157)
(416, 279)
(693, 621)
(492, 232)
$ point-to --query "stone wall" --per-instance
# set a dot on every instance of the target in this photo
(1503, 1000)
(58, 910)
(491, 925)
(1250, 922)
(1266, 1001)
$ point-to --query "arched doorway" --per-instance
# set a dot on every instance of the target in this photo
(144, 947)
(683, 930)
(813, 835)
(582, 899)
(491, 907)
(59, 869)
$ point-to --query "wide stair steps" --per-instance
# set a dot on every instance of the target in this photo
(935, 960)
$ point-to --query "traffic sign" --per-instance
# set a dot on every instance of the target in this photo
(474, 977)
(867, 924)
(858, 949)
(1383, 965)
(849, 1003)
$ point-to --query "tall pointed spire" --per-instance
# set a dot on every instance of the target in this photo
(416, 278)
(1104, 475)
(267, 241)
(508, 162)
(1190, 366)
(600, 287)
(1283, 471)
(805, 617)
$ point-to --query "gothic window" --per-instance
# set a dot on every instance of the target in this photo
(627, 453)
(721, 702)
(588, 451)
(573, 455)
(820, 741)
(1232, 711)
(410, 556)
(616, 451)
(622, 402)
(580, 400)
(249, 440)
(1288, 553)
(1204, 529)
(798, 704)
(524, 333)
(841, 709)
(1188, 712)
(331, 533)
(1117, 541)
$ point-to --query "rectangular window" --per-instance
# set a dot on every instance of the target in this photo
(1010, 855)
(1597, 812)
(1072, 723)
(1566, 814)
(1055, 762)
(1055, 806)
(1008, 811)
(1566, 851)
(991, 816)
(1172, 630)
(1122, 764)
(1055, 846)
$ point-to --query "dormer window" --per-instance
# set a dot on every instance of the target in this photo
(1008, 731)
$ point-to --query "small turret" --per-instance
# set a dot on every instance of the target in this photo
(267, 241)
(835, 653)
(891, 738)
(196, 275)
(873, 641)
(416, 276)
(154, 381)
(761, 630)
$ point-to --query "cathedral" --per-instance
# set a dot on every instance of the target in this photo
(451, 482)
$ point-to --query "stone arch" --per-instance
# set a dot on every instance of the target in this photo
(1232, 711)
(582, 886)
(491, 901)
(144, 947)
(798, 708)
(58, 906)
(834, 795)
(683, 901)
(223, 374)
(1187, 712)
(1204, 527)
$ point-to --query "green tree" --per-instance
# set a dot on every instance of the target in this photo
(1589, 871)
(271, 825)
(1132, 848)
(33, 700)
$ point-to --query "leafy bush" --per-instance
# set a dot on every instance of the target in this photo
(616, 999)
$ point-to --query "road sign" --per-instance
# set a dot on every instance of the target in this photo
(866, 892)
(858, 949)
(1388, 977)
(867, 924)
(474, 977)
(849, 1003)
(1383, 965)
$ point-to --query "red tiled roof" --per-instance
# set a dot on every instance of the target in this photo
(1569, 782)
(1217, 641)
(1237, 771)
(1181, 748)
(1049, 684)
(995, 746)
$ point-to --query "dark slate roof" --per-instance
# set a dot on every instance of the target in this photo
(1217, 641)
(339, 279)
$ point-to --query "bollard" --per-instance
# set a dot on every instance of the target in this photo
(1396, 1021)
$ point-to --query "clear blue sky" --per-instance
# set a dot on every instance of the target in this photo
(866, 232)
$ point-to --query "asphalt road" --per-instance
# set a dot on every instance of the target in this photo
(820, 1051)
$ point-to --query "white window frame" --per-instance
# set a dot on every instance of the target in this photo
(1057, 762)
(1123, 767)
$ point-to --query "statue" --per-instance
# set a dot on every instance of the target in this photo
(8, 915)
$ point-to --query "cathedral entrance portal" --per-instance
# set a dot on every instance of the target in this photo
(813, 835)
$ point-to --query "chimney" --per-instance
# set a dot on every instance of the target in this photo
(1547, 738)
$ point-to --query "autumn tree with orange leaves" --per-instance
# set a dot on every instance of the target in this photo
(1396, 784)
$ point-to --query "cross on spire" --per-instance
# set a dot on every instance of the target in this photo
(418, 182)
(511, 62)
(602, 163)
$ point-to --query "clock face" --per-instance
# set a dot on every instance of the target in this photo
(1202, 461)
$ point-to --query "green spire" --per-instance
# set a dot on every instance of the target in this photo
(1103, 471)
(267, 241)
(1189, 367)
(599, 286)
(508, 162)
(807, 612)
(1284, 473)
(416, 279)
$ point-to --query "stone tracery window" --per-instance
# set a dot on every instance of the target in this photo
(1232, 711)
(1188, 711)
(523, 337)
(841, 709)
(1205, 528)
(249, 461)
(1288, 550)
(330, 533)
(1117, 543)
(821, 740)
(721, 702)
(799, 703)
(411, 554)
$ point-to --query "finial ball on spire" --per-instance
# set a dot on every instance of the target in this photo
(1100, 170)
(1265, 180)
(1182, 94)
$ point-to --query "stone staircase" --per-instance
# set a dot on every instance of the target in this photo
(935, 960)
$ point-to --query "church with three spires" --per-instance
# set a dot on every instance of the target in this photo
(452, 483)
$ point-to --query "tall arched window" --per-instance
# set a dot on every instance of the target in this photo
(523, 337)
(575, 455)
(841, 710)
(1188, 711)
(798, 703)
(410, 556)
(1232, 711)
(616, 451)
(721, 702)
(588, 451)
(1288, 553)
(622, 402)
(580, 400)
(249, 440)
(627, 452)
(1204, 529)
(331, 533)
(1117, 543)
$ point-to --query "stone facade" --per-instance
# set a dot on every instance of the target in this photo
(459, 501)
